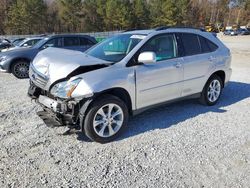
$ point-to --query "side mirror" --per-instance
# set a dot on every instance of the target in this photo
(25, 45)
(147, 58)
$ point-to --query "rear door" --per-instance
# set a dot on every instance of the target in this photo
(197, 62)
(162, 81)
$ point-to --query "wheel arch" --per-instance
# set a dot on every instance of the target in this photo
(17, 59)
(221, 74)
(119, 92)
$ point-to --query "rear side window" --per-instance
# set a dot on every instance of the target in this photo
(191, 44)
(85, 41)
(204, 45)
(207, 45)
(71, 41)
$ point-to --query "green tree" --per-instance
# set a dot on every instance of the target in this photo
(4, 6)
(181, 15)
(94, 15)
(118, 14)
(163, 13)
(140, 14)
(70, 14)
(26, 17)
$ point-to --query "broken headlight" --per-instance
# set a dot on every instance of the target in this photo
(73, 88)
(65, 89)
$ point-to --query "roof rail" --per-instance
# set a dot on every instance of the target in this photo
(162, 28)
(177, 27)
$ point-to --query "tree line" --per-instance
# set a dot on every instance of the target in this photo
(63, 16)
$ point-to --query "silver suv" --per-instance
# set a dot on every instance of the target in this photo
(127, 74)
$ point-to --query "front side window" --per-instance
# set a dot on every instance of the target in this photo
(56, 42)
(164, 46)
(115, 48)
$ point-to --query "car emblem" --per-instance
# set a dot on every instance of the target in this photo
(33, 76)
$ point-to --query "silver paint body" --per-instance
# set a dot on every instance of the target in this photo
(147, 84)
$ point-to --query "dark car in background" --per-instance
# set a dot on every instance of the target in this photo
(17, 61)
(243, 31)
(4, 43)
(230, 32)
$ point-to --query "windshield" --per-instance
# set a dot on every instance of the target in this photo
(17, 41)
(115, 48)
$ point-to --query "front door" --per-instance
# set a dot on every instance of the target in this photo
(161, 81)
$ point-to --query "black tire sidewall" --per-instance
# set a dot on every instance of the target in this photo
(94, 107)
(205, 91)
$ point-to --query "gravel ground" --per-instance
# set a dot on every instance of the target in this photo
(180, 145)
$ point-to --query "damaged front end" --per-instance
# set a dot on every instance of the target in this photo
(65, 101)
(56, 84)
(62, 111)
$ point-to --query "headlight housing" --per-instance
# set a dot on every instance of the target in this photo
(65, 89)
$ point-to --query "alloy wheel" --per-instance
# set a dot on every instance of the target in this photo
(21, 70)
(214, 90)
(108, 120)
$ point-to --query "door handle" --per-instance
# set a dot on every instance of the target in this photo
(211, 58)
(177, 65)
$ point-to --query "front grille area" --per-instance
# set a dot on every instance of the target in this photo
(37, 79)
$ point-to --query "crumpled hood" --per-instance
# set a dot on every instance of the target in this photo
(58, 63)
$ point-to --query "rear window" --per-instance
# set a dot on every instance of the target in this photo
(191, 44)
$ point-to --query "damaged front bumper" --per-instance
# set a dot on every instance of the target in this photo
(64, 112)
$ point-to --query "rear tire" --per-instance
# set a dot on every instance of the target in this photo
(211, 91)
(20, 69)
(106, 119)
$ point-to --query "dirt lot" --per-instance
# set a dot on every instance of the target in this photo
(180, 145)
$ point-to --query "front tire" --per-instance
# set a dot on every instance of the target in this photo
(20, 69)
(212, 91)
(106, 119)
